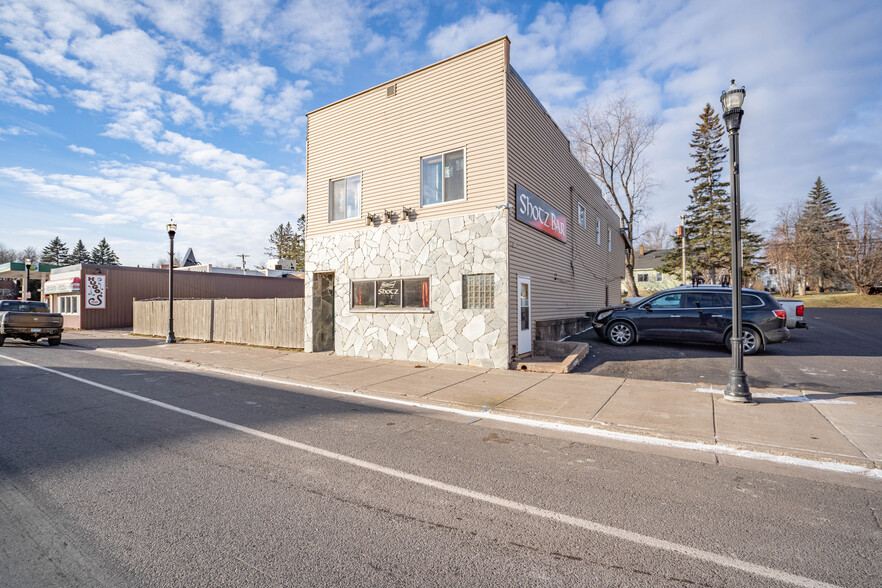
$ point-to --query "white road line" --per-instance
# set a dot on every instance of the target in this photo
(716, 448)
(645, 540)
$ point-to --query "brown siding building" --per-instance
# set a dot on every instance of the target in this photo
(100, 296)
(446, 216)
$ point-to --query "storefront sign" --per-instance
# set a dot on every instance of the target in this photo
(389, 293)
(540, 215)
(96, 291)
(67, 286)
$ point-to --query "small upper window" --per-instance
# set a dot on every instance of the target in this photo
(442, 177)
(345, 197)
(583, 216)
(609, 239)
(598, 230)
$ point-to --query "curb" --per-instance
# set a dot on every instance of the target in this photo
(611, 432)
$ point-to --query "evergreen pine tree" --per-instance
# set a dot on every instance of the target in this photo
(823, 225)
(102, 254)
(708, 218)
(55, 252)
(282, 242)
(79, 254)
(300, 244)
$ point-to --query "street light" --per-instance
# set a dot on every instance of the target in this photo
(737, 389)
(171, 227)
(26, 290)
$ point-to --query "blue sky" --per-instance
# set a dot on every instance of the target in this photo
(117, 115)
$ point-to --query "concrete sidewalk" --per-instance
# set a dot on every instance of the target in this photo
(830, 428)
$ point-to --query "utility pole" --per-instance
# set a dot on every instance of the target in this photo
(681, 230)
(243, 256)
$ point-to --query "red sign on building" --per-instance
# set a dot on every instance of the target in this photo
(540, 215)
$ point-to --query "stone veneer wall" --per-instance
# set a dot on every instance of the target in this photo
(443, 250)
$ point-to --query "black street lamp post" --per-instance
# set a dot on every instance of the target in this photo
(172, 228)
(737, 389)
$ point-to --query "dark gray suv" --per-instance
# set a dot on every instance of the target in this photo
(695, 314)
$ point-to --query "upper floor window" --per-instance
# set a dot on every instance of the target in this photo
(609, 239)
(583, 215)
(345, 197)
(442, 177)
(598, 230)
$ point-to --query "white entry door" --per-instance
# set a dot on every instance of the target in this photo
(525, 339)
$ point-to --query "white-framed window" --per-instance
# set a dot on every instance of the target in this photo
(642, 277)
(598, 230)
(344, 197)
(442, 177)
(658, 277)
(583, 216)
(609, 239)
(68, 304)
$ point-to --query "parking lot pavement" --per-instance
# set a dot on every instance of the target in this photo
(840, 353)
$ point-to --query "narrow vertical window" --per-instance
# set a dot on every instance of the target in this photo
(345, 197)
(609, 240)
(582, 216)
(598, 230)
(442, 178)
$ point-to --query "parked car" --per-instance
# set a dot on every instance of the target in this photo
(20, 319)
(695, 314)
(795, 310)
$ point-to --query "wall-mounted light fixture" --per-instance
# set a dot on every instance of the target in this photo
(371, 219)
(408, 212)
(389, 215)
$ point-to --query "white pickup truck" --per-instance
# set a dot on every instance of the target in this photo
(795, 310)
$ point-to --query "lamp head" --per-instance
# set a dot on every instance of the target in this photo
(733, 97)
(171, 227)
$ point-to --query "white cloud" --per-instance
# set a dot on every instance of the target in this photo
(319, 33)
(15, 131)
(83, 150)
(17, 85)
(130, 203)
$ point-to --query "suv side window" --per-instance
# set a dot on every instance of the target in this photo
(751, 300)
(701, 300)
(666, 301)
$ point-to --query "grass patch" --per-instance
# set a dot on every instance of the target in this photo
(840, 300)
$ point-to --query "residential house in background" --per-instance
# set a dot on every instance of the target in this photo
(647, 274)
(447, 220)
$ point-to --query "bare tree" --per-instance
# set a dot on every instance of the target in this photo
(657, 236)
(788, 250)
(859, 251)
(611, 141)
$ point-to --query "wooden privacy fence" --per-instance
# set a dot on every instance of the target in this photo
(270, 322)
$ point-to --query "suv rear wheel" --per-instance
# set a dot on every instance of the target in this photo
(751, 341)
(620, 333)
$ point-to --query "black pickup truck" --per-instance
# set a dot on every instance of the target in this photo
(29, 321)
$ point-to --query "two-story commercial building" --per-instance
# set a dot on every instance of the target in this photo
(446, 216)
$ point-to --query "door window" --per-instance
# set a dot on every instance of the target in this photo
(666, 301)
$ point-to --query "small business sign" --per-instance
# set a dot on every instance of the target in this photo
(62, 286)
(96, 291)
(540, 215)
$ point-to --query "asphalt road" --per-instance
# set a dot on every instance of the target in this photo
(233, 483)
(840, 352)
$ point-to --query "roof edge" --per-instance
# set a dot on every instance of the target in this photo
(425, 67)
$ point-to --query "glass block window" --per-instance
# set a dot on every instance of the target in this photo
(477, 291)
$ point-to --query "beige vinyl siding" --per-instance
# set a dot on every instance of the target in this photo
(454, 104)
(567, 279)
